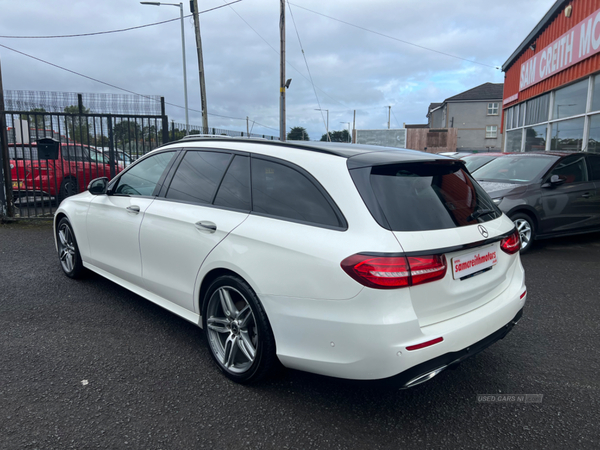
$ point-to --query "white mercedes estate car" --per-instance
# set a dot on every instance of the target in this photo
(351, 261)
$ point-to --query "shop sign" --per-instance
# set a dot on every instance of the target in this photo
(510, 99)
(577, 44)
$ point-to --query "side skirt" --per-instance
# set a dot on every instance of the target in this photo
(160, 301)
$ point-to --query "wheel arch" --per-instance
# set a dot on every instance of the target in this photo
(61, 194)
(523, 209)
(207, 280)
(57, 218)
(69, 176)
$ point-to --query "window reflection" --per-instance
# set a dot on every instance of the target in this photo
(594, 138)
(535, 138)
(570, 100)
(596, 94)
(567, 135)
(513, 141)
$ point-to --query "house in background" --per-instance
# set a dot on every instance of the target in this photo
(474, 115)
(434, 116)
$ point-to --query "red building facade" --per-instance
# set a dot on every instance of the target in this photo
(551, 95)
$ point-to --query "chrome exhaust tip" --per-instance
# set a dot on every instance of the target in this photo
(424, 377)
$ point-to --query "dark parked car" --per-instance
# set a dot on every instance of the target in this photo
(546, 194)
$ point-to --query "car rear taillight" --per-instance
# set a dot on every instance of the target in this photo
(424, 269)
(511, 244)
(392, 272)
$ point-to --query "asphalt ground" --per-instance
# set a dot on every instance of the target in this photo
(87, 364)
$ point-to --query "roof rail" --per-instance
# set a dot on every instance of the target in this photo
(313, 146)
(196, 136)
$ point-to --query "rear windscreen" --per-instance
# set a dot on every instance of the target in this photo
(428, 196)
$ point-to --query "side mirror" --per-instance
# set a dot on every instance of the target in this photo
(98, 186)
(555, 180)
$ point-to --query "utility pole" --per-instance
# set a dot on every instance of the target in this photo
(349, 138)
(185, 94)
(194, 9)
(247, 128)
(282, 126)
(327, 124)
(354, 128)
(6, 197)
(389, 115)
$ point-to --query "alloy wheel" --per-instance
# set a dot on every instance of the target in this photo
(67, 251)
(232, 330)
(524, 229)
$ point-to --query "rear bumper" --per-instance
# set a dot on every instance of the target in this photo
(427, 370)
(366, 337)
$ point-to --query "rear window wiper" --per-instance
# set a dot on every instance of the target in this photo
(479, 213)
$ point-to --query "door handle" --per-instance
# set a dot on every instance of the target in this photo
(206, 226)
(586, 195)
(133, 209)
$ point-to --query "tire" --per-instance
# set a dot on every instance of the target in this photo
(67, 188)
(68, 251)
(526, 229)
(238, 333)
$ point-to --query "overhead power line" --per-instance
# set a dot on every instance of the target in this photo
(393, 114)
(277, 51)
(395, 39)
(116, 31)
(117, 87)
(308, 68)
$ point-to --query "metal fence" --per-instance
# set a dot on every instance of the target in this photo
(54, 155)
(96, 103)
(93, 135)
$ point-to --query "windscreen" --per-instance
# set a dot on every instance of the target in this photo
(430, 196)
(476, 161)
(516, 169)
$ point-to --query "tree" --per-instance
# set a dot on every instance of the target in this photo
(337, 136)
(77, 126)
(175, 133)
(126, 134)
(99, 140)
(298, 134)
(37, 121)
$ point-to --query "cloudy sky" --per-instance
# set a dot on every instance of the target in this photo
(359, 54)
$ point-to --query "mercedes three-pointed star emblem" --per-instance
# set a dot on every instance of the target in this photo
(483, 231)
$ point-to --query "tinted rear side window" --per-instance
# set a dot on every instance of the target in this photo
(281, 191)
(429, 196)
(198, 176)
(234, 191)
